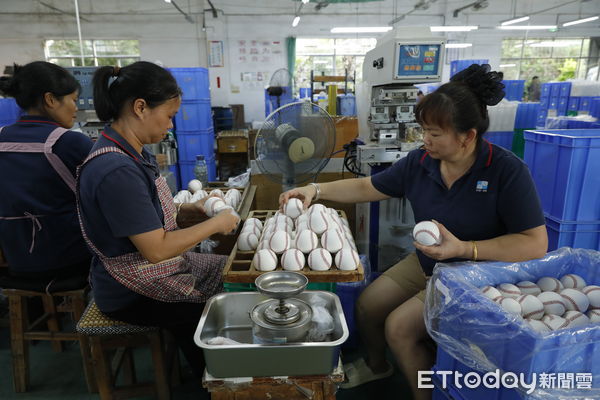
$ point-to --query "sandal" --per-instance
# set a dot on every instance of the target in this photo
(358, 373)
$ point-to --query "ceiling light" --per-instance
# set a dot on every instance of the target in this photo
(514, 20)
(527, 27)
(167, 1)
(296, 21)
(361, 29)
(507, 65)
(305, 1)
(580, 21)
(458, 45)
(455, 28)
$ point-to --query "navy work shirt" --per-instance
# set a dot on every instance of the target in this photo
(29, 183)
(495, 197)
(118, 199)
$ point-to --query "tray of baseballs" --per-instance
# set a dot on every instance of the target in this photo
(223, 197)
(317, 242)
(550, 304)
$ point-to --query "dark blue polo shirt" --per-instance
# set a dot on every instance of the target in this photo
(28, 183)
(119, 199)
(495, 197)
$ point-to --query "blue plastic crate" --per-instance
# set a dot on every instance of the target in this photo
(553, 103)
(573, 104)
(554, 89)
(476, 331)
(194, 82)
(193, 116)
(564, 89)
(585, 103)
(545, 91)
(595, 107)
(513, 89)
(526, 116)
(9, 111)
(545, 103)
(346, 105)
(563, 103)
(565, 166)
(191, 144)
(186, 171)
(502, 139)
(540, 121)
(576, 234)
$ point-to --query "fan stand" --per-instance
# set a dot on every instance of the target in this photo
(288, 181)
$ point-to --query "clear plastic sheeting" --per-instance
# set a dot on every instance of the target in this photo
(480, 334)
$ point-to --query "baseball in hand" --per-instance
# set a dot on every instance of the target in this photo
(427, 233)
(293, 208)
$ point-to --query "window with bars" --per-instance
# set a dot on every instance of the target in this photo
(67, 52)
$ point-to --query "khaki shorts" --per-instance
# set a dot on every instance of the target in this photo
(409, 275)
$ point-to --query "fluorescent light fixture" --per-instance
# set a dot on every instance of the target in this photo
(458, 45)
(514, 20)
(296, 21)
(527, 27)
(305, 1)
(361, 29)
(580, 21)
(507, 65)
(554, 43)
(167, 1)
(454, 28)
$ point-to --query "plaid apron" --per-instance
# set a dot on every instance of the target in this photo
(191, 277)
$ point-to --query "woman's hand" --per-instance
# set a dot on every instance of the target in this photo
(227, 221)
(199, 205)
(451, 246)
(305, 193)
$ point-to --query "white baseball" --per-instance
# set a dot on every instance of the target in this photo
(575, 300)
(183, 196)
(234, 194)
(427, 233)
(510, 305)
(293, 208)
(317, 208)
(527, 287)
(538, 326)
(280, 241)
(194, 185)
(555, 322)
(213, 205)
(283, 219)
(200, 194)
(594, 316)
(216, 192)
(576, 319)
(318, 222)
(292, 260)
(593, 294)
(553, 303)
(251, 228)
(306, 241)
(332, 240)
(549, 284)
(347, 259)
(254, 221)
(302, 218)
(319, 260)
(265, 260)
(247, 241)
(264, 244)
(573, 281)
(509, 290)
(490, 292)
(302, 226)
(230, 201)
(531, 306)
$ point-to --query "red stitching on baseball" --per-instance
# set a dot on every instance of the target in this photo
(300, 263)
(429, 232)
(571, 300)
(574, 280)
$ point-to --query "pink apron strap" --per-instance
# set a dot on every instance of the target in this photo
(60, 168)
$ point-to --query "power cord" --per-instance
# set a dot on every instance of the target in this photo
(351, 157)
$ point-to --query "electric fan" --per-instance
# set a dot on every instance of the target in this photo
(295, 143)
(280, 86)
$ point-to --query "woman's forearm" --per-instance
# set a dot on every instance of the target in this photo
(357, 190)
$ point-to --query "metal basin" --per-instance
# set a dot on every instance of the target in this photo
(228, 315)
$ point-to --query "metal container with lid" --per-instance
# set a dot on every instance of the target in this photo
(281, 319)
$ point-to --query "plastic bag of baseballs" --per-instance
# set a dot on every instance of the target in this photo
(486, 336)
(241, 180)
(206, 246)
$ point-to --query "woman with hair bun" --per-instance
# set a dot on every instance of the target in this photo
(481, 197)
(142, 270)
(39, 232)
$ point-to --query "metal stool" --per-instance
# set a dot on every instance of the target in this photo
(106, 334)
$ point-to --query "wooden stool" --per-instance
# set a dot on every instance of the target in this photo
(106, 334)
(289, 388)
(21, 331)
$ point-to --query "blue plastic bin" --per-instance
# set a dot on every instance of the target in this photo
(554, 89)
(573, 104)
(186, 170)
(9, 111)
(191, 144)
(545, 91)
(562, 106)
(222, 118)
(576, 234)
(564, 89)
(459, 65)
(585, 103)
(193, 115)
(514, 89)
(194, 82)
(565, 165)
(478, 332)
(346, 105)
(595, 107)
(502, 139)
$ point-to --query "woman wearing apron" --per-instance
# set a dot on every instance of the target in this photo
(39, 230)
(142, 270)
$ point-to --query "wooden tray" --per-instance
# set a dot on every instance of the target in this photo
(239, 267)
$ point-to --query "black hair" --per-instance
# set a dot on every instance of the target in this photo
(461, 104)
(420, 93)
(536, 77)
(140, 80)
(30, 82)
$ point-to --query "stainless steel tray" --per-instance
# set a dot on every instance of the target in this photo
(228, 315)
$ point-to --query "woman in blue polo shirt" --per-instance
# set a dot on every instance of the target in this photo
(39, 232)
(481, 196)
(142, 271)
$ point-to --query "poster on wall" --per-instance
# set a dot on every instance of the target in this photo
(215, 54)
